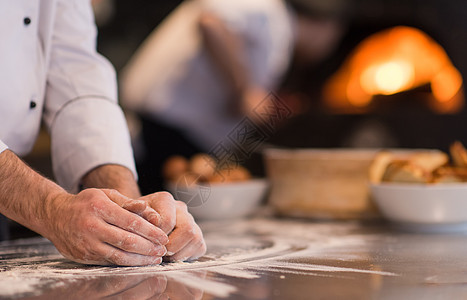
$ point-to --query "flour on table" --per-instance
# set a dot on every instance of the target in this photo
(242, 249)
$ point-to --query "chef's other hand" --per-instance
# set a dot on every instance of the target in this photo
(92, 228)
(186, 240)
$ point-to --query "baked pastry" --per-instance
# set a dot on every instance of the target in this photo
(379, 165)
(450, 174)
(404, 171)
(424, 166)
(201, 168)
(458, 154)
(429, 160)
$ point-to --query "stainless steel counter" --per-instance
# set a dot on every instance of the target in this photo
(258, 259)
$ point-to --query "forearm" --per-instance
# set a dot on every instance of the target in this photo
(227, 52)
(25, 196)
(113, 177)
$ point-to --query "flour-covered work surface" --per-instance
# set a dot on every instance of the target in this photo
(258, 259)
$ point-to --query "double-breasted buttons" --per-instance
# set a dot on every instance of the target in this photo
(32, 104)
(27, 21)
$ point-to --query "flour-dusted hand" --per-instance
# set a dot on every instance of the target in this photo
(186, 240)
(93, 228)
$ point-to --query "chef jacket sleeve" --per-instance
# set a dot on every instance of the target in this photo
(86, 125)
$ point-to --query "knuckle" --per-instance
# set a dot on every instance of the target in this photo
(115, 258)
(112, 191)
(168, 224)
(181, 205)
(129, 242)
(198, 240)
(134, 224)
(187, 234)
(191, 232)
(165, 195)
(95, 202)
(88, 224)
(118, 258)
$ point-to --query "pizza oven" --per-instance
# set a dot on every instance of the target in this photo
(396, 80)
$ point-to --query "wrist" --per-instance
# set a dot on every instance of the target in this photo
(54, 200)
(114, 177)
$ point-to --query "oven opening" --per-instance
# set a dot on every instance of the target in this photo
(394, 81)
(391, 66)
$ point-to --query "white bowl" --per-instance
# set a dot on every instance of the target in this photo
(221, 200)
(423, 207)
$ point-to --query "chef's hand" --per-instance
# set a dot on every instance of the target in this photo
(186, 240)
(93, 228)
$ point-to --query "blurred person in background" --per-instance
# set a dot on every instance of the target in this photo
(211, 63)
(51, 72)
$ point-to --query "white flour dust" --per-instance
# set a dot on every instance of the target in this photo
(244, 250)
(12, 286)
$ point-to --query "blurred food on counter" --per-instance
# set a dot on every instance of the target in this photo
(202, 168)
(420, 166)
(211, 191)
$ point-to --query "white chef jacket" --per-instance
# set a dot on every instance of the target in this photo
(173, 79)
(50, 71)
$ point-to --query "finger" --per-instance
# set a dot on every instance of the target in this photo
(115, 215)
(135, 206)
(141, 208)
(164, 204)
(150, 215)
(101, 253)
(118, 257)
(184, 232)
(130, 242)
(116, 196)
(195, 249)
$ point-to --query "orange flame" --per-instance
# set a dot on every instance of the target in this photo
(392, 61)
